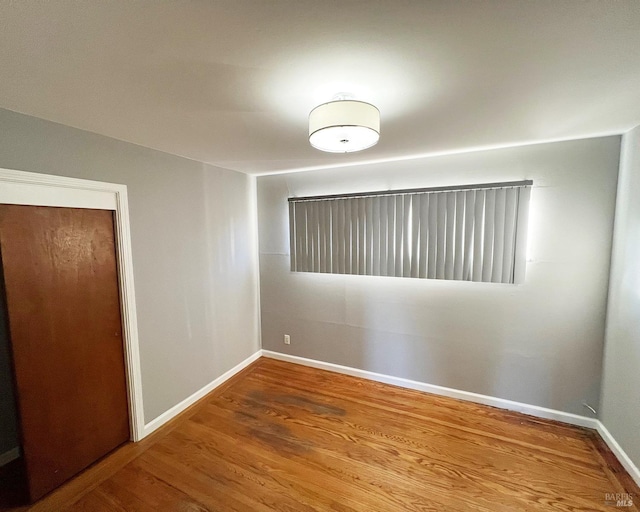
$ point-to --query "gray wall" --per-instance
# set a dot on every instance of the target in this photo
(194, 254)
(540, 343)
(621, 381)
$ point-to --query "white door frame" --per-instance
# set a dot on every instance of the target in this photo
(29, 188)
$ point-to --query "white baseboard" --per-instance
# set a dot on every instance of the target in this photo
(7, 457)
(178, 408)
(532, 410)
(620, 454)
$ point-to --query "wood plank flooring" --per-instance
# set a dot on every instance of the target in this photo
(285, 437)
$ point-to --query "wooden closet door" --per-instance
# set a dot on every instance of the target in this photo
(61, 285)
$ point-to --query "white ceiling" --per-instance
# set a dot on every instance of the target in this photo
(231, 82)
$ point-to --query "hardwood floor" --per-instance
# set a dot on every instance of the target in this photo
(285, 437)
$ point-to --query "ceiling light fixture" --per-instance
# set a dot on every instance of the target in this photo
(344, 126)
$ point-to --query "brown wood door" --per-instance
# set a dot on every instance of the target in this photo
(63, 305)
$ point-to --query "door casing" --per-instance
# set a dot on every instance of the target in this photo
(35, 189)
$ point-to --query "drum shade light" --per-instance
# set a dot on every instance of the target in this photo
(344, 126)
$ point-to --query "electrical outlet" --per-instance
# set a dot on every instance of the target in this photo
(287, 339)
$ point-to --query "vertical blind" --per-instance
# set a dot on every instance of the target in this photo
(472, 233)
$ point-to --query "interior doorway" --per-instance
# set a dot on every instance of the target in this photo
(23, 188)
(11, 475)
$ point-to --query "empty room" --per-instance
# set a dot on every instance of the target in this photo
(295, 255)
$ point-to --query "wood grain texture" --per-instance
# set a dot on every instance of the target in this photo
(61, 282)
(285, 437)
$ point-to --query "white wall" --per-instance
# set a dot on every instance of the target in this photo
(540, 343)
(621, 381)
(194, 252)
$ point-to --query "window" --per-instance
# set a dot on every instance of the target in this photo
(470, 233)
